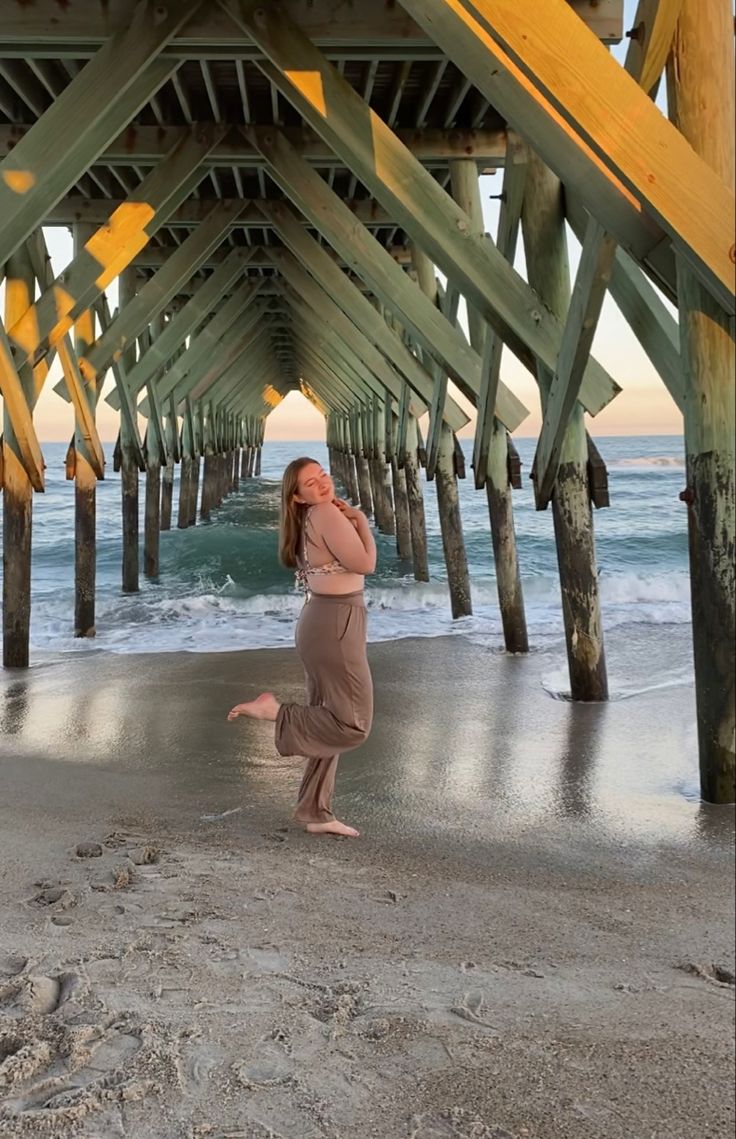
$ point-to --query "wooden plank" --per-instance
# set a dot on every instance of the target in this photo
(543, 70)
(654, 29)
(594, 271)
(512, 197)
(700, 99)
(104, 96)
(209, 337)
(354, 29)
(149, 145)
(427, 282)
(187, 320)
(357, 308)
(129, 414)
(76, 208)
(83, 411)
(19, 413)
(153, 297)
(375, 266)
(111, 248)
(330, 314)
(426, 212)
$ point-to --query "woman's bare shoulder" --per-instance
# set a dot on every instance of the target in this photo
(324, 510)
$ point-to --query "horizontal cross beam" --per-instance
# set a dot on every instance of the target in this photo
(48, 28)
(142, 145)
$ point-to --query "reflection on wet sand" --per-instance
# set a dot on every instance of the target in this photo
(473, 748)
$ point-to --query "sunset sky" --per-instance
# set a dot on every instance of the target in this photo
(643, 407)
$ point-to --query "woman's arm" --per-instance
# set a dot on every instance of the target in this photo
(352, 545)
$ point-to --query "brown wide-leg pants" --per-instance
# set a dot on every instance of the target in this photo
(331, 642)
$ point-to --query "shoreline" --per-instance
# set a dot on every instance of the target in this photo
(533, 937)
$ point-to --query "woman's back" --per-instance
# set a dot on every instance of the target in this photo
(332, 557)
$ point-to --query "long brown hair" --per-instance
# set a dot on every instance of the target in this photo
(292, 513)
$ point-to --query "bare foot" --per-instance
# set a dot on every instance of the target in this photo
(264, 707)
(333, 827)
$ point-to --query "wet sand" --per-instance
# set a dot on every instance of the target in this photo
(533, 936)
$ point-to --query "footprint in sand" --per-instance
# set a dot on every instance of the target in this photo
(35, 994)
(52, 1075)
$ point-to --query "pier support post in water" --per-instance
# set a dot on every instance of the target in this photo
(85, 481)
(152, 523)
(545, 244)
(453, 542)
(466, 192)
(448, 499)
(701, 103)
(401, 498)
(17, 489)
(415, 498)
(167, 482)
(129, 472)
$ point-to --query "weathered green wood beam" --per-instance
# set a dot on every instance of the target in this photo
(249, 354)
(593, 126)
(326, 383)
(147, 145)
(156, 257)
(206, 367)
(355, 306)
(262, 396)
(154, 296)
(331, 314)
(426, 212)
(509, 217)
(359, 31)
(20, 415)
(656, 21)
(126, 403)
(76, 208)
(657, 331)
(341, 371)
(427, 282)
(321, 346)
(186, 321)
(111, 248)
(363, 254)
(80, 394)
(585, 306)
(80, 123)
(234, 319)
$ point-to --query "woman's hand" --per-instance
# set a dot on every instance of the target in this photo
(352, 513)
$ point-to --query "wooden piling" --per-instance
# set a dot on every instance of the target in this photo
(167, 480)
(185, 490)
(17, 489)
(545, 245)
(353, 491)
(194, 490)
(466, 192)
(453, 542)
(152, 520)
(701, 103)
(85, 482)
(415, 499)
(448, 499)
(129, 472)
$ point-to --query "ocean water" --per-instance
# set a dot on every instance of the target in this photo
(221, 587)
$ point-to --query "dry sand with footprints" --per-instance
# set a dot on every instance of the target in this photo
(509, 951)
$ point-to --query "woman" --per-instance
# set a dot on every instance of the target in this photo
(331, 546)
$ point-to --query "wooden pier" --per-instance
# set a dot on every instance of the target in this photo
(287, 194)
